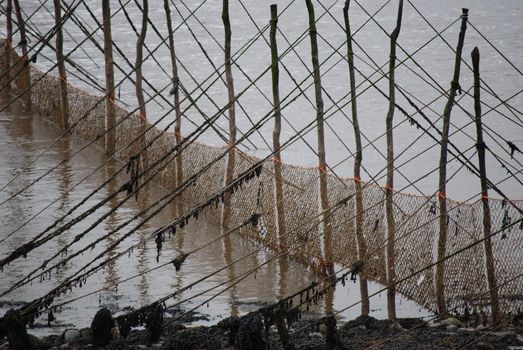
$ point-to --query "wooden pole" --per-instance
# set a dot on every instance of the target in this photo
(229, 169)
(138, 84)
(110, 116)
(442, 239)
(8, 46)
(360, 212)
(24, 62)
(389, 207)
(487, 225)
(62, 74)
(177, 110)
(278, 186)
(322, 164)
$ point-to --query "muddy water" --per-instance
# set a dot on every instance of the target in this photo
(23, 137)
(500, 22)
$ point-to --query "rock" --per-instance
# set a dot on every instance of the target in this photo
(322, 328)
(71, 335)
(368, 322)
(101, 327)
(481, 327)
(136, 337)
(51, 341)
(452, 328)
(14, 328)
(467, 329)
(412, 322)
(485, 346)
(117, 345)
(395, 326)
(452, 321)
(189, 339)
(503, 334)
(86, 335)
(62, 347)
(250, 333)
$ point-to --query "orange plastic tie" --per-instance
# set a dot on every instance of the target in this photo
(322, 168)
(357, 178)
(276, 159)
(62, 78)
(442, 195)
(387, 187)
(484, 196)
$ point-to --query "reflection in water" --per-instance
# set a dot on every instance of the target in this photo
(64, 186)
(112, 278)
(283, 266)
(329, 301)
(143, 263)
(227, 257)
(177, 281)
(22, 137)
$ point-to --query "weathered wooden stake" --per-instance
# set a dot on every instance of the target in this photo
(24, 61)
(322, 164)
(439, 282)
(177, 110)
(110, 116)
(8, 47)
(278, 186)
(487, 226)
(62, 74)
(138, 84)
(229, 169)
(360, 238)
(389, 206)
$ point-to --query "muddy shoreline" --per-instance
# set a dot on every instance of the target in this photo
(175, 330)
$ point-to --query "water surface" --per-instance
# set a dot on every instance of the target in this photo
(23, 137)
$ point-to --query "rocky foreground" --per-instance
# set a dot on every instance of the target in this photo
(249, 333)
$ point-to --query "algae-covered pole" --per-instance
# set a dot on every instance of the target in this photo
(278, 186)
(322, 164)
(360, 238)
(138, 84)
(110, 115)
(389, 207)
(177, 110)
(487, 225)
(229, 169)
(62, 74)
(439, 282)
(8, 46)
(25, 77)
